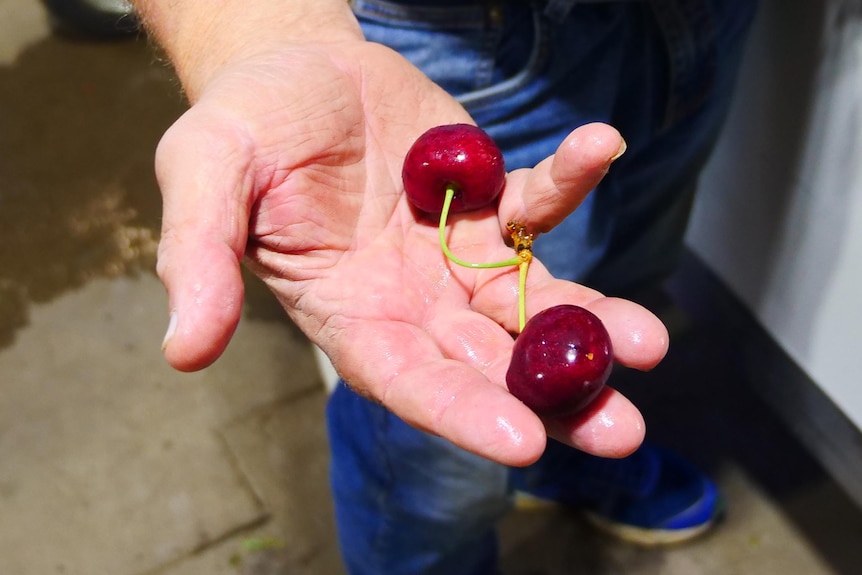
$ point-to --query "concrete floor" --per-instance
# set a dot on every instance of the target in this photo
(113, 464)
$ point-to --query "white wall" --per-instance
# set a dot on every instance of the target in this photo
(779, 217)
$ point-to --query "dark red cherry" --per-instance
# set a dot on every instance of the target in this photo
(458, 155)
(561, 361)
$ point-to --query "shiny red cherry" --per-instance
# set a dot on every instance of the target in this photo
(458, 156)
(561, 361)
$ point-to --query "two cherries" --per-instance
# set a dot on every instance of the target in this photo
(562, 356)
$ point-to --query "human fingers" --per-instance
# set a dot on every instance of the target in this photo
(401, 366)
(203, 172)
(639, 338)
(542, 197)
(610, 426)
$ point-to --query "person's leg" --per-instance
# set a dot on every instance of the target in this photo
(648, 195)
(407, 502)
(670, 102)
(660, 71)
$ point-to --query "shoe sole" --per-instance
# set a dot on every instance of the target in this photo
(527, 502)
(645, 537)
(641, 536)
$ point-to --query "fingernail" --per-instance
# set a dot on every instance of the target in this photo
(620, 152)
(172, 328)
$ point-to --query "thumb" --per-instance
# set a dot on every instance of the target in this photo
(203, 170)
(556, 186)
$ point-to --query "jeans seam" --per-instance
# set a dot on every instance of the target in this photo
(504, 89)
(380, 546)
(490, 43)
(689, 36)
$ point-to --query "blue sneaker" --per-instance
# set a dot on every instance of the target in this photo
(653, 497)
(679, 503)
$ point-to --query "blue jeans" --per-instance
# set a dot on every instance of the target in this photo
(662, 72)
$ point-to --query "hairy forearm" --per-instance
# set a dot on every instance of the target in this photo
(201, 36)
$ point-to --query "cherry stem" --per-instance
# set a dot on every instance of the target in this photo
(522, 288)
(523, 241)
(444, 216)
(523, 246)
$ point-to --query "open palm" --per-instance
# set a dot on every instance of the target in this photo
(292, 160)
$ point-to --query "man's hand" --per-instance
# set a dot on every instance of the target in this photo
(292, 159)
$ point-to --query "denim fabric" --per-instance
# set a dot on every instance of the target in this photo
(407, 502)
(662, 72)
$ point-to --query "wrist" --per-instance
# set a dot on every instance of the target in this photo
(200, 37)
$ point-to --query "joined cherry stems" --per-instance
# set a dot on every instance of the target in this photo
(523, 242)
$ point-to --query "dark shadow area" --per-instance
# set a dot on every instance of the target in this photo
(78, 197)
(728, 391)
(702, 401)
(79, 124)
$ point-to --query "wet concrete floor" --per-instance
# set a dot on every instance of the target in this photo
(112, 463)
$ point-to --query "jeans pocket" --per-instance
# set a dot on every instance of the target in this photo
(523, 55)
(477, 52)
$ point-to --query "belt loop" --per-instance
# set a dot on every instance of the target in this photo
(557, 10)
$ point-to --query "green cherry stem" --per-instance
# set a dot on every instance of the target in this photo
(444, 216)
(523, 266)
(523, 246)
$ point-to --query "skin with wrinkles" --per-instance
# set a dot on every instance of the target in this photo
(302, 181)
